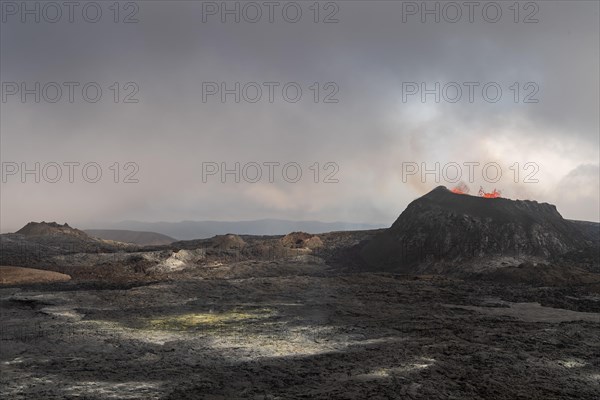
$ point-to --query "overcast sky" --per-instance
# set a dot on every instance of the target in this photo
(368, 61)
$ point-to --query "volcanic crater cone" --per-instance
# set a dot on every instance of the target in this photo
(37, 242)
(50, 228)
(448, 227)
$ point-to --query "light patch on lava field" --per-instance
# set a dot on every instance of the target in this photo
(594, 377)
(103, 330)
(384, 373)
(113, 390)
(572, 363)
(304, 340)
(206, 321)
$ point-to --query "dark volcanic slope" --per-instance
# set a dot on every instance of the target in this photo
(590, 229)
(445, 226)
(135, 237)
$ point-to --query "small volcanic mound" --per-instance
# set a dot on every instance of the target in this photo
(227, 242)
(301, 240)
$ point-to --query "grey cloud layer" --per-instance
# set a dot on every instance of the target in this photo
(369, 133)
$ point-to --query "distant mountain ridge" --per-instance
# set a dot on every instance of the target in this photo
(135, 237)
(188, 230)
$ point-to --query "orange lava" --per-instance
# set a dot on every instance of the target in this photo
(463, 188)
(493, 195)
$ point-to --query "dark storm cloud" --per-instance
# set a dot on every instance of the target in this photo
(369, 133)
